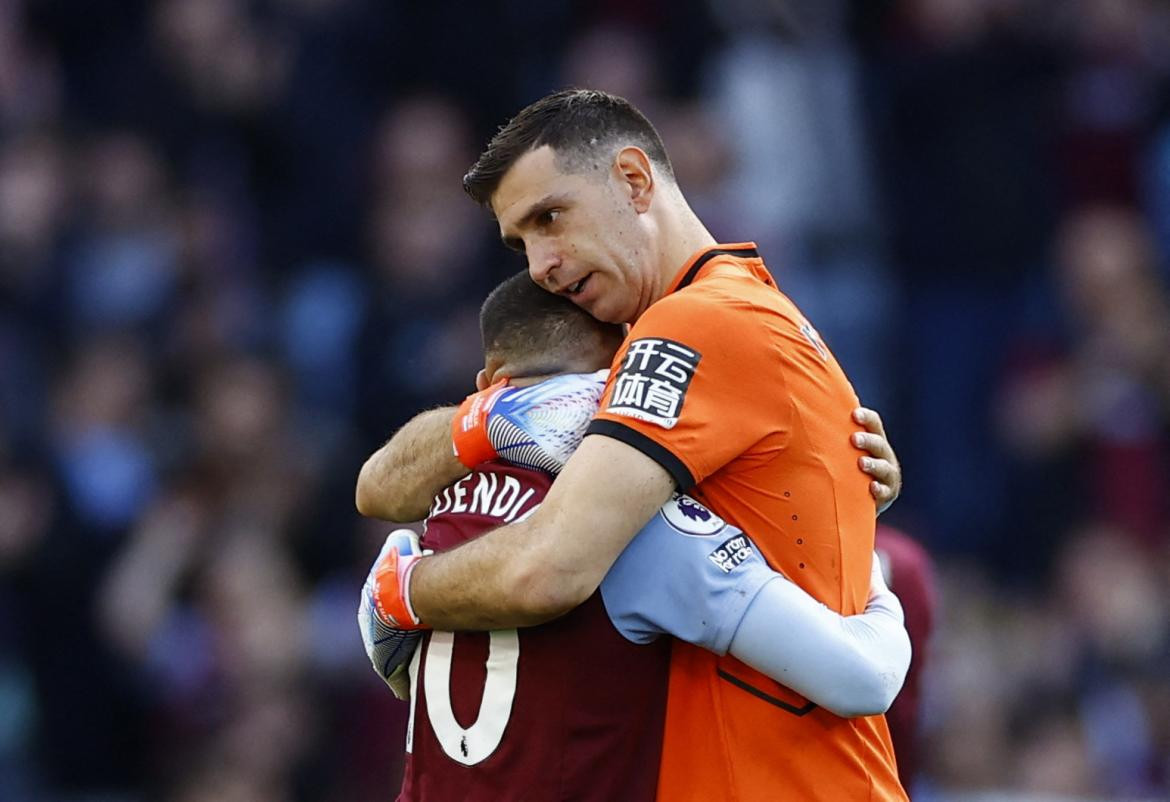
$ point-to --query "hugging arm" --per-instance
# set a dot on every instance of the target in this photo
(399, 480)
(713, 589)
(527, 572)
(534, 570)
(850, 665)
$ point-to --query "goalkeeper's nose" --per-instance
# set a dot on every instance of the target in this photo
(543, 261)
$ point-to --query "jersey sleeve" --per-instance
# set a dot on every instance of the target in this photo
(696, 385)
(850, 665)
(687, 573)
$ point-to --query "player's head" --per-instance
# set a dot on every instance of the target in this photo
(529, 333)
(580, 182)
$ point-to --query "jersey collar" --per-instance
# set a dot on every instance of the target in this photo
(690, 271)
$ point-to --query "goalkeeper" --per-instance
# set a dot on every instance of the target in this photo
(688, 574)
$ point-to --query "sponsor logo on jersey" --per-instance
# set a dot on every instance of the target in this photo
(689, 517)
(731, 553)
(652, 383)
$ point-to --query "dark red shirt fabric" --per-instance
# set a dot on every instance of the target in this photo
(569, 710)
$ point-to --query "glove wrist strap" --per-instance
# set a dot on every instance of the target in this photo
(392, 593)
(469, 434)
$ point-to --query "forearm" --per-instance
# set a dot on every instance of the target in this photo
(537, 569)
(399, 480)
(495, 582)
(851, 666)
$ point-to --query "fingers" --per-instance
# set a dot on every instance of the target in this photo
(883, 495)
(882, 463)
(885, 477)
(887, 480)
(876, 444)
(884, 471)
(870, 419)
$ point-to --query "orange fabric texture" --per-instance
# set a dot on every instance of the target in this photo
(725, 384)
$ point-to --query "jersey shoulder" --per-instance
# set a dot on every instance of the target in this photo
(726, 296)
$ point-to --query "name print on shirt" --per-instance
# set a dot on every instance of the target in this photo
(484, 494)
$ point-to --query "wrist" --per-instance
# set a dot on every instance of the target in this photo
(391, 586)
(469, 432)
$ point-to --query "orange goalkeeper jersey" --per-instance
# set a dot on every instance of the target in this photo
(726, 385)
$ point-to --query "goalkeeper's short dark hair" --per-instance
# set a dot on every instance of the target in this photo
(522, 322)
(580, 125)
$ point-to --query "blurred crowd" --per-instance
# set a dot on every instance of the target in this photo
(235, 256)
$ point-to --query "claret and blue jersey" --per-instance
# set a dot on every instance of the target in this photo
(566, 710)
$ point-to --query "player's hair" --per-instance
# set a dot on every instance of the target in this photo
(521, 322)
(583, 127)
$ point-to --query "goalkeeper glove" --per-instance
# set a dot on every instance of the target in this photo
(535, 427)
(390, 630)
(469, 434)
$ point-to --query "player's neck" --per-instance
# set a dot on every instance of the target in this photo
(682, 234)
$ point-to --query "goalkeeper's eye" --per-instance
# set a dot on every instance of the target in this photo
(548, 217)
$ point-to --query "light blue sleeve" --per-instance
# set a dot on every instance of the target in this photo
(689, 574)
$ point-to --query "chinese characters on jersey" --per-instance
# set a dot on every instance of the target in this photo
(652, 382)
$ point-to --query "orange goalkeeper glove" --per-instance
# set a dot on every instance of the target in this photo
(538, 426)
(388, 584)
(469, 433)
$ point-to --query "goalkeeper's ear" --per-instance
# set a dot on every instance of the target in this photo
(481, 380)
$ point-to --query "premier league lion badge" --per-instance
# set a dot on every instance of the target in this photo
(689, 517)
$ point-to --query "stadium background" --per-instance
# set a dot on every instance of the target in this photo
(234, 256)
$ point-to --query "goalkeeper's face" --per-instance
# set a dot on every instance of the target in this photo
(585, 233)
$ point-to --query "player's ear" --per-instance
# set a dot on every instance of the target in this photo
(481, 380)
(637, 176)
